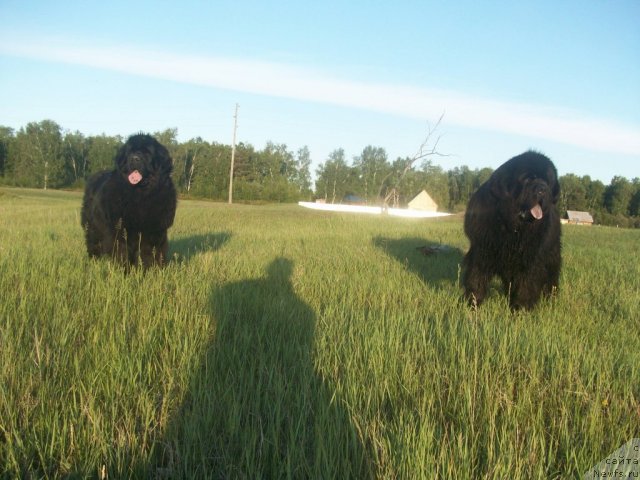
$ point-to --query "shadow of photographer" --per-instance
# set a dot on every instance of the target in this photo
(255, 407)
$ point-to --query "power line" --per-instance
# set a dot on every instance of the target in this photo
(233, 154)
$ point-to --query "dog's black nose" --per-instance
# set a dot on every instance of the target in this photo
(135, 160)
(541, 189)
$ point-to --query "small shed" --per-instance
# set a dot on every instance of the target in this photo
(579, 218)
(423, 201)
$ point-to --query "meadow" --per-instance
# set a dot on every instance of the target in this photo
(281, 342)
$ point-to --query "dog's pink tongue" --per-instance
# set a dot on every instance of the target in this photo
(537, 212)
(135, 177)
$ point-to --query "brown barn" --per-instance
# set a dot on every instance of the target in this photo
(579, 218)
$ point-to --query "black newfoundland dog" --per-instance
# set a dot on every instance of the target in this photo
(126, 212)
(514, 230)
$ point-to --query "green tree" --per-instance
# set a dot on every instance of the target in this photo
(617, 196)
(276, 160)
(372, 167)
(436, 183)
(6, 139)
(303, 180)
(402, 183)
(333, 177)
(634, 204)
(573, 194)
(248, 173)
(216, 170)
(168, 138)
(594, 194)
(187, 160)
(38, 161)
(101, 153)
(482, 176)
(461, 187)
(75, 157)
(463, 182)
(202, 169)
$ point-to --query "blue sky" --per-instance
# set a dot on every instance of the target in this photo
(562, 77)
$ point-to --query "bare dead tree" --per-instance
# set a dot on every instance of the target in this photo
(428, 148)
(189, 173)
(191, 170)
(75, 162)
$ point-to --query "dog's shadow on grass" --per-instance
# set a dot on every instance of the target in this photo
(256, 407)
(435, 264)
(183, 249)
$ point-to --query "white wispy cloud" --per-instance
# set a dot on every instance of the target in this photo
(281, 80)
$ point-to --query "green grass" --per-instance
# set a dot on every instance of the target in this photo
(286, 343)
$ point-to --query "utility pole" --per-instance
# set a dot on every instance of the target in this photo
(233, 154)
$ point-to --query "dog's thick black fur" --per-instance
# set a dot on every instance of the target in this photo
(126, 212)
(514, 228)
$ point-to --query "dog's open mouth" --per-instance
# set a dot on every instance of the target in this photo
(134, 177)
(536, 212)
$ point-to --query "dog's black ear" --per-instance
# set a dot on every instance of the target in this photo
(121, 156)
(162, 160)
(498, 187)
(555, 191)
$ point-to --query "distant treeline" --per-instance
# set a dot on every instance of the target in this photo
(44, 155)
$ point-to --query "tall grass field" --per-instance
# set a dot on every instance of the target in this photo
(280, 342)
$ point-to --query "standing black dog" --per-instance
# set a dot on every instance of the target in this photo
(126, 212)
(514, 229)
